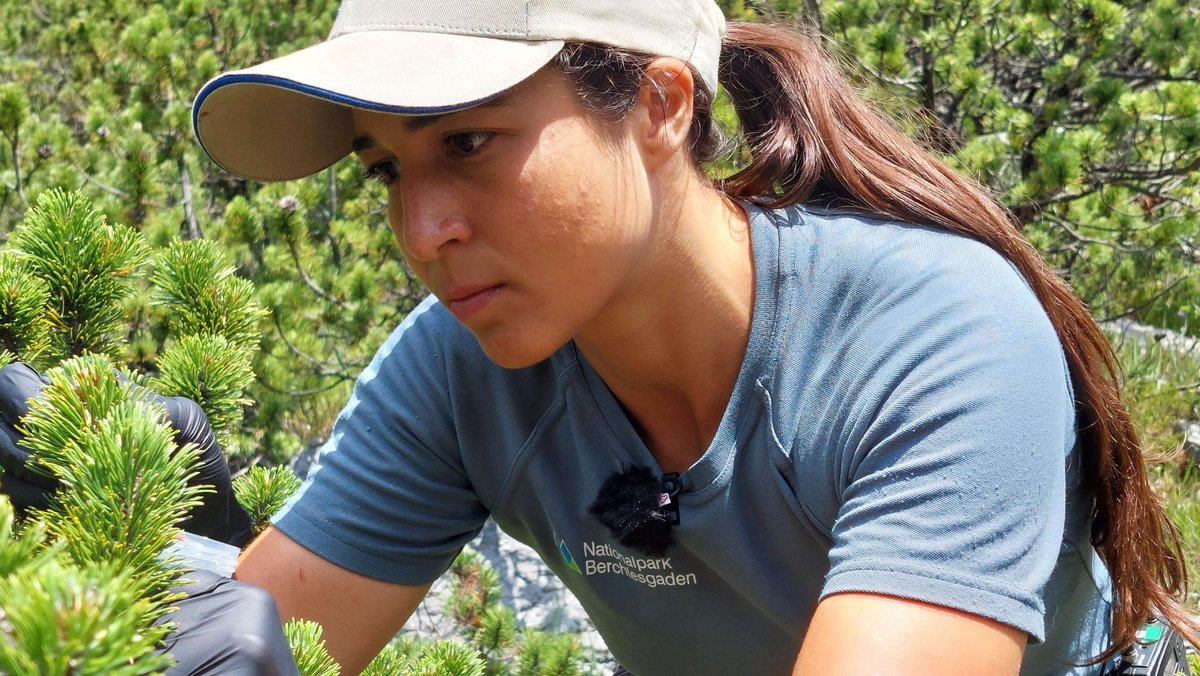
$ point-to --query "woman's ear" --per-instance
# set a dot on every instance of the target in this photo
(665, 118)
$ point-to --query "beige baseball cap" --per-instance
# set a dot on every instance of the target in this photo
(290, 117)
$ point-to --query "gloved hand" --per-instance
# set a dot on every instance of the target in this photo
(226, 627)
(219, 517)
(23, 485)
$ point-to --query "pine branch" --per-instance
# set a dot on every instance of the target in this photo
(124, 481)
(64, 619)
(14, 109)
(16, 161)
(1145, 79)
(262, 491)
(87, 264)
(308, 281)
(103, 186)
(1066, 227)
(1134, 311)
(308, 648)
(202, 295)
(214, 373)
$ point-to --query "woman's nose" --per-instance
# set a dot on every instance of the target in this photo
(431, 218)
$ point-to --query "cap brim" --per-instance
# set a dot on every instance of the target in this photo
(290, 117)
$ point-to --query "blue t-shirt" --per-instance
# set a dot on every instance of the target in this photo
(902, 423)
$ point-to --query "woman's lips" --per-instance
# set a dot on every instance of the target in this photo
(466, 303)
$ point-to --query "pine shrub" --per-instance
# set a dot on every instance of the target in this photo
(263, 490)
(85, 585)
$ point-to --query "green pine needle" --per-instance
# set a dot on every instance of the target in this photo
(262, 491)
(86, 264)
(125, 483)
(497, 629)
(448, 658)
(56, 618)
(214, 373)
(129, 489)
(545, 654)
(390, 661)
(243, 221)
(308, 648)
(27, 547)
(81, 393)
(202, 295)
(24, 312)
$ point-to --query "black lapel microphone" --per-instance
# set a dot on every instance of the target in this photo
(639, 508)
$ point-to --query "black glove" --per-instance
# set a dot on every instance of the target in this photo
(20, 482)
(226, 627)
(219, 516)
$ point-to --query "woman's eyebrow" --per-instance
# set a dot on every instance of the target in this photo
(414, 123)
(417, 123)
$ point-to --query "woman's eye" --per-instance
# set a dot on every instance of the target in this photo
(467, 142)
(384, 172)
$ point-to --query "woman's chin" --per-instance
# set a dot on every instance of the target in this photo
(515, 352)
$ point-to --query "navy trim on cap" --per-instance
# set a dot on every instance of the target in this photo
(316, 92)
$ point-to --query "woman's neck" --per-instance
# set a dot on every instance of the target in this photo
(670, 346)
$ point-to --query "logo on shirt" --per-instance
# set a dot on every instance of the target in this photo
(601, 558)
(566, 554)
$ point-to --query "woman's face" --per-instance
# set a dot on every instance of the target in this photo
(526, 220)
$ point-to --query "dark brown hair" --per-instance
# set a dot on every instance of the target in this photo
(810, 136)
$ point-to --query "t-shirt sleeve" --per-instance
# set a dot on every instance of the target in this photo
(952, 473)
(389, 497)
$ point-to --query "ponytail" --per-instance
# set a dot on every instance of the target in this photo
(810, 136)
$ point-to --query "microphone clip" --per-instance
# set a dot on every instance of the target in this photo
(667, 500)
(639, 508)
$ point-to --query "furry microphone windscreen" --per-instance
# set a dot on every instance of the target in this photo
(629, 505)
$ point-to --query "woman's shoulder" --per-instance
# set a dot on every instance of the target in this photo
(867, 302)
(874, 262)
(861, 240)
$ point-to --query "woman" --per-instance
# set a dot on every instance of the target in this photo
(897, 435)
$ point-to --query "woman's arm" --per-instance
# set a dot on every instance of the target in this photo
(857, 633)
(359, 614)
